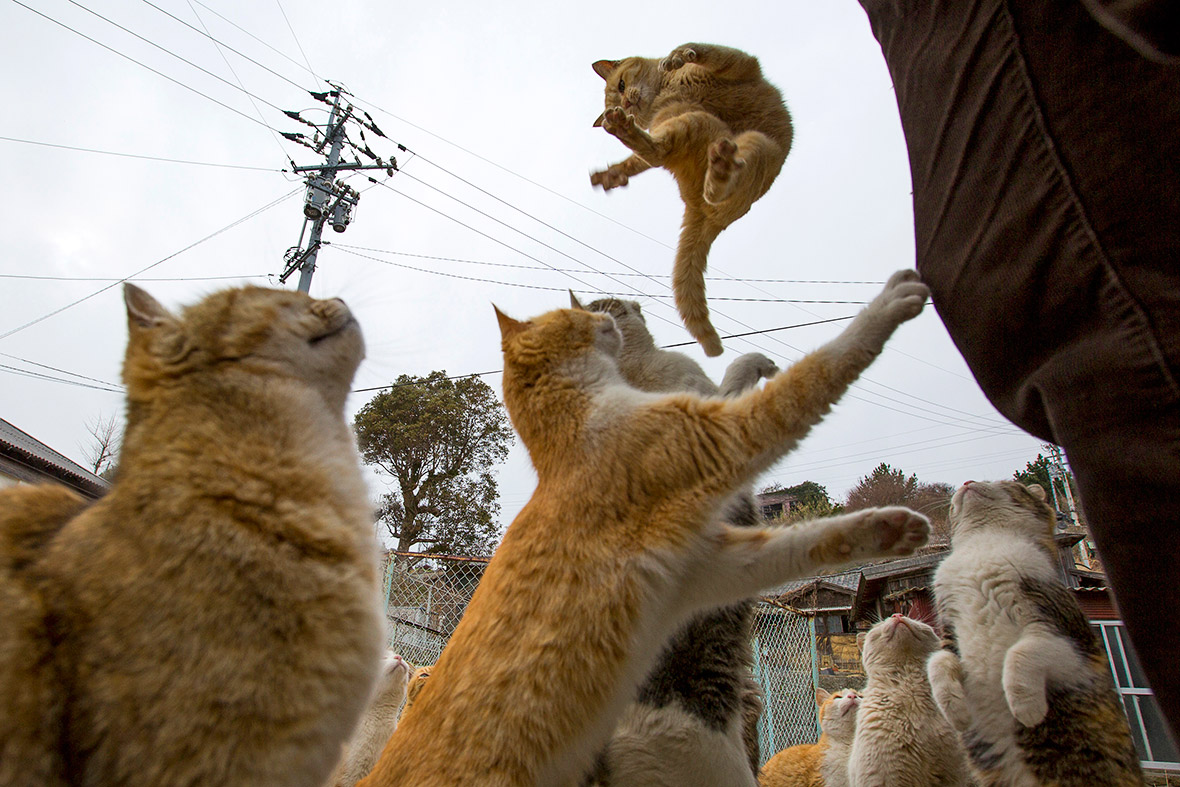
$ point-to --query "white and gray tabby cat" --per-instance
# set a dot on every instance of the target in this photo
(902, 739)
(1021, 676)
(687, 725)
(650, 368)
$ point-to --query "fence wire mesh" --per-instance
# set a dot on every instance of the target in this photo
(427, 595)
(785, 665)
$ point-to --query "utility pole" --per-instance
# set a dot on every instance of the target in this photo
(1058, 472)
(329, 200)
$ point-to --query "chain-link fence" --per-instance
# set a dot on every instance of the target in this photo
(427, 595)
(785, 665)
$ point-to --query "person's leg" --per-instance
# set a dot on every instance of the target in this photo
(1045, 156)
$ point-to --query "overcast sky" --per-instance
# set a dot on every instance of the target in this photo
(494, 103)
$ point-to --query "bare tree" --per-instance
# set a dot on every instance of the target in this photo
(102, 453)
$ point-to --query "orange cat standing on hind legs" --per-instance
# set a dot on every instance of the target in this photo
(215, 618)
(621, 543)
(719, 127)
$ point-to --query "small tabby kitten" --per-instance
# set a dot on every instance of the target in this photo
(821, 764)
(621, 544)
(691, 721)
(1022, 676)
(706, 114)
(902, 740)
(215, 618)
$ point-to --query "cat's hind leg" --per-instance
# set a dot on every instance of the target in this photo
(741, 169)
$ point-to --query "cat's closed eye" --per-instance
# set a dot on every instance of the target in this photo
(622, 86)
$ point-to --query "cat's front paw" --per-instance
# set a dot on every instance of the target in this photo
(678, 58)
(903, 298)
(884, 532)
(1029, 707)
(945, 673)
(616, 121)
(610, 178)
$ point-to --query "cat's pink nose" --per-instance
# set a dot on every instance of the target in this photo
(897, 615)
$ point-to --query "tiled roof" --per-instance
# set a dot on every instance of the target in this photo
(901, 566)
(24, 447)
(849, 580)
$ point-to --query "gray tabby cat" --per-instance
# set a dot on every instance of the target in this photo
(694, 719)
(902, 740)
(1021, 676)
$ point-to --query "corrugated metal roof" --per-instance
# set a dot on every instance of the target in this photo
(27, 447)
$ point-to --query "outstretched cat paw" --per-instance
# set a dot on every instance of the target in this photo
(874, 532)
(610, 178)
(724, 166)
(678, 58)
(616, 121)
(903, 298)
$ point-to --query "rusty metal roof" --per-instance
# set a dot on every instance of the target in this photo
(28, 450)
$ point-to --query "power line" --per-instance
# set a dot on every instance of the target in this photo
(502, 223)
(224, 45)
(238, 79)
(62, 371)
(144, 65)
(618, 273)
(259, 40)
(563, 289)
(230, 226)
(138, 156)
(167, 51)
(111, 278)
(292, 29)
(51, 378)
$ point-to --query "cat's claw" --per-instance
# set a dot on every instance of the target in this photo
(616, 121)
(609, 179)
(678, 58)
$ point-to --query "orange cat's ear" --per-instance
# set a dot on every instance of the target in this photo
(860, 640)
(604, 67)
(1038, 491)
(144, 311)
(508, 326)
(575, 303)
(821, 696)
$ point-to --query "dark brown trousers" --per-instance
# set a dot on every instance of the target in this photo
(1045, 156)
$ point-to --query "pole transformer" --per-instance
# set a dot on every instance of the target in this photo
(328, 201)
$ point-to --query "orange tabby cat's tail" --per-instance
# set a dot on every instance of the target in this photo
(688, 282)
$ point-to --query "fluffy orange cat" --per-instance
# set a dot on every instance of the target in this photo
(621, 543)
(824, 763)
(706, 114)
(215, 618)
